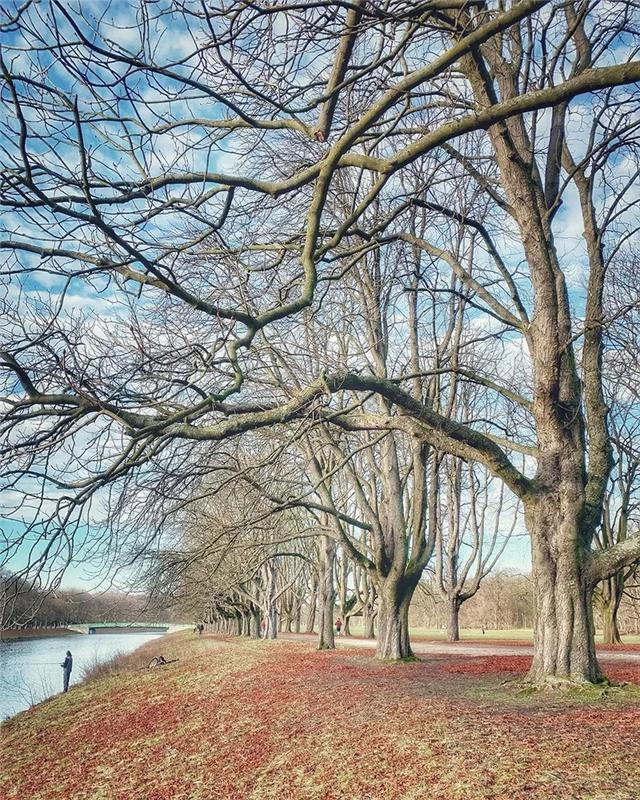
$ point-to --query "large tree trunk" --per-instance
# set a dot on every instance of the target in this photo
(453, 624)
(271, 611)
(326, 594)
(563, 504)
(610, 596)
(313, 602)
(255, 622)
(344, 577)
(272, 624)
(393, 621)
(564, 645)
(610, 630)
(311, 617)
(367, 623)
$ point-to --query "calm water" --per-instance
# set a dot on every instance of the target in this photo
(30, 670)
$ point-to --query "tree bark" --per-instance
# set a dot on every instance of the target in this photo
(610, 630)
(271, 611)
(367, 623)
(342, 584)
(611, 591)
(564, 644)
(255, 622)
(272, 623)
(326, 595)
(453, 625)
(393, 622)
(311, 618)
(313, 604)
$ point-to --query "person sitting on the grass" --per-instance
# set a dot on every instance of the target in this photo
(66, 670)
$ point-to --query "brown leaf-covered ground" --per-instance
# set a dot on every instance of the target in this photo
(281, 721)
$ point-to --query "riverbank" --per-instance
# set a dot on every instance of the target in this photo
(236, 719)
(30, 668)
(22, 634)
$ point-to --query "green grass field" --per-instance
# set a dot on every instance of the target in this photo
(513, 634)
(516, 634)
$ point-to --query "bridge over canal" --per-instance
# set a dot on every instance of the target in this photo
(127, 627)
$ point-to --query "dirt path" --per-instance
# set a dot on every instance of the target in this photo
(493, 648)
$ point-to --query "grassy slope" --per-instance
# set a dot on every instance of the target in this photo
(281, 721)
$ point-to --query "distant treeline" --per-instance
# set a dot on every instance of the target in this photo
(504, 601)
(24, 606)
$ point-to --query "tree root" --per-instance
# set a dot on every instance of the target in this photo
(412, 659)
(552, 683)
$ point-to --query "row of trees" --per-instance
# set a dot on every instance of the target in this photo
(251, 562)
(505, 602)
(324, 251)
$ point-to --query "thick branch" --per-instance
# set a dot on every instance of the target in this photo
(604, 564)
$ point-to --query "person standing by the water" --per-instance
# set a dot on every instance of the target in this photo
(66, 670)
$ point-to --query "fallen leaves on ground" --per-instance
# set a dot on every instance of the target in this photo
(242, 720)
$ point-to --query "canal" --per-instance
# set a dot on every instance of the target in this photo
(30, 669)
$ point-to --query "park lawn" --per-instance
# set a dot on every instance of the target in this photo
(281, 721)
(440, 634)
(514, 634)
(508, 636)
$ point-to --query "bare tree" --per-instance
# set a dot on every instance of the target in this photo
(620, 513)
(232, 562)
(114, 141)
(470, 536)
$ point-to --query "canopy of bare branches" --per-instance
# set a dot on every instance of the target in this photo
(344, 259)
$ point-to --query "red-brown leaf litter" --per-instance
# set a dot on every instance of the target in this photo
(241, 720)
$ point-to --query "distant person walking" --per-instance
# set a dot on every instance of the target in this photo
(338, 626)
(66, 670)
